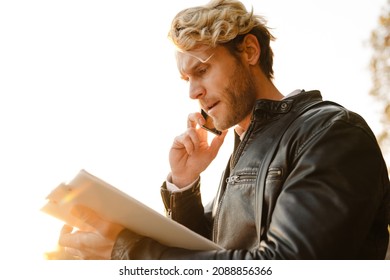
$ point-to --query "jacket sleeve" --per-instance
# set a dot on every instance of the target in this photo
(334, 201)
(187, 209)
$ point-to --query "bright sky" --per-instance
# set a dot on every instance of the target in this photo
(94, 85)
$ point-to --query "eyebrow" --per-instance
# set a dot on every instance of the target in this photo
(195, 65)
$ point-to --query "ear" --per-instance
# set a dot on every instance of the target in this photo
(251, 49)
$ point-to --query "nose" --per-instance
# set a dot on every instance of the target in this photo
(196, 91)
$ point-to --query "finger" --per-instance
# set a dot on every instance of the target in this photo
(86, 215)
(195, 119)
(66, 229)
(90, 218)
(76, 254)
(67, 239)
(84, 254)
(202, 134)
(103, 227)
(78, 240)
(64, 235)
(188, 144)
(188, 140)
(194, 137)
(87, 245)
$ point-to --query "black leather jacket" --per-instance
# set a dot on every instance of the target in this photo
(304, 183)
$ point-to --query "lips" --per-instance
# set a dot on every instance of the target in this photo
(209, 107)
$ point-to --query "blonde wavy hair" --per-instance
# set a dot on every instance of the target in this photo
(222, 22)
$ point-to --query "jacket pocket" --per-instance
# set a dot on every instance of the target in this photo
(234, 223)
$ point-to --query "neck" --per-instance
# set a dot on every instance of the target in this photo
(265, 89)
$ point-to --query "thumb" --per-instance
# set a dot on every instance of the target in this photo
(91, 218)
(66, 229)
(86, 216)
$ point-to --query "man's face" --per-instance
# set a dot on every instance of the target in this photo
(221, 83)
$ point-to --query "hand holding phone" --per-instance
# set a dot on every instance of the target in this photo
(191, 152)
(209, 125)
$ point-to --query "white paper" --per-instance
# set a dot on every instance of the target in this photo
(116, 206)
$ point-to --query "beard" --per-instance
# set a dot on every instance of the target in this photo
(240, 97)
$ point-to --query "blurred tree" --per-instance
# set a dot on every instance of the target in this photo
(380, 69)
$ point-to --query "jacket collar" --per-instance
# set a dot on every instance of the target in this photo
(266, 109)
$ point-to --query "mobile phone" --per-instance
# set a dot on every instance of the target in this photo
(209, 125)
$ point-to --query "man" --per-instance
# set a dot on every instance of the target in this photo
(306, 179)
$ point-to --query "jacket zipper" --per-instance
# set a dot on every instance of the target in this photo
(234, 178)
(230, 180)
(239, 178)
(241, 146)
(171, 205)
(275, 172)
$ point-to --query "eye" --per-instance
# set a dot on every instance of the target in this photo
(202, 70)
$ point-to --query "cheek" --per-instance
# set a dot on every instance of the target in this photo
(221, 76)
(215, 82)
